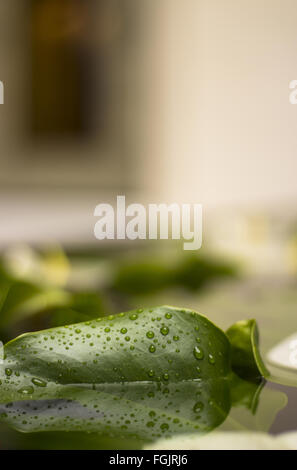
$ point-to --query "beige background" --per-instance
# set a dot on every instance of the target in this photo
(206, 119)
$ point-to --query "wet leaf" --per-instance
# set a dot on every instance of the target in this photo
(137, 375)
(140, 345)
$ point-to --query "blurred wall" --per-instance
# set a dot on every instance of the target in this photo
(199, 112)
(228, 128)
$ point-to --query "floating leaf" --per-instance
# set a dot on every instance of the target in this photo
(136, 346)
(140, 374)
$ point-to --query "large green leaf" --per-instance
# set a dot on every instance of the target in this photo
(140, 374)
(160, 344)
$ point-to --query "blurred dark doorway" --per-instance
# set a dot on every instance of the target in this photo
(62, 69)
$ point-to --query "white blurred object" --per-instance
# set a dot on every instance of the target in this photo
(228, 441)
(285, 353)
(50, 267)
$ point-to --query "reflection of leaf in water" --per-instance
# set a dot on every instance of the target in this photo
(269, 403)
(141, 374)
(141, 411)
(245, 393)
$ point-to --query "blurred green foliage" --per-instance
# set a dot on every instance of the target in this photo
(37, 297)
(190, 272)
(37, 289)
